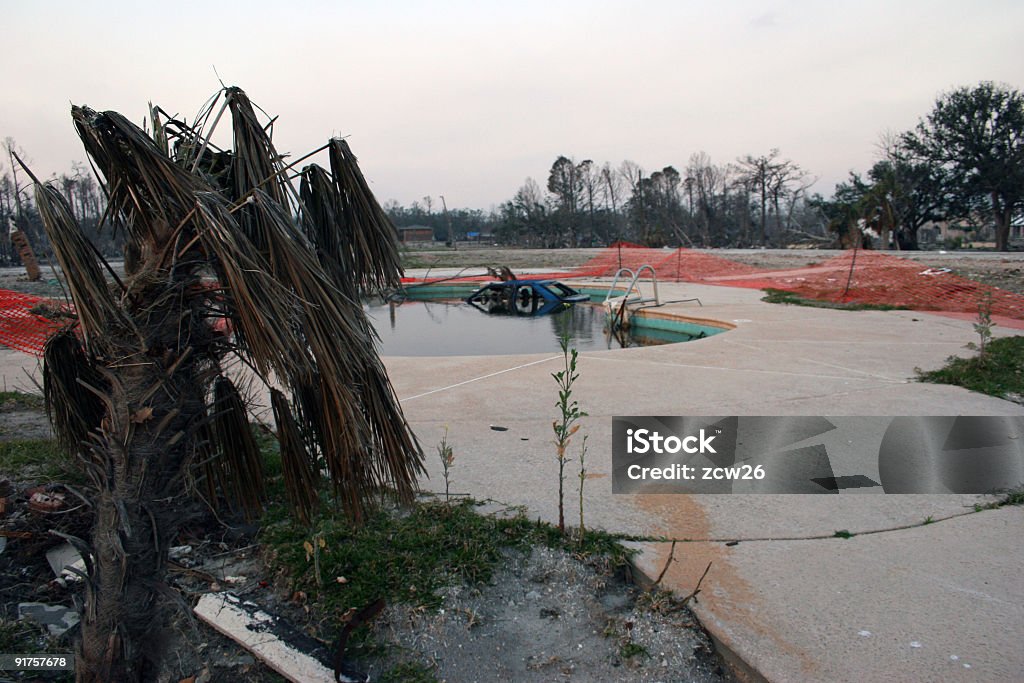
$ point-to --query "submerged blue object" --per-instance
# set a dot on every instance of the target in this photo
(525, 297)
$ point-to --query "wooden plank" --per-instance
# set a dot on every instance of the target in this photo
(252, 628)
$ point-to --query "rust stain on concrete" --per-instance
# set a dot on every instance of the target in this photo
(725, 595)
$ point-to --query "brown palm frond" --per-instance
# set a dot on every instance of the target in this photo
(296, 324)
(375, 261)
(256, 164)
(400, 458)
(240, 460)
(74, 409)
(205, 478)
(323, 224)
(146, 188)
(290, 319)
(159, 132)
(96, 309)
(301, 482)
(351, 431)
(263, 310)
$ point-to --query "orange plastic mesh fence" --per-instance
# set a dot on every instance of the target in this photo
(20, 328)
(866, 277)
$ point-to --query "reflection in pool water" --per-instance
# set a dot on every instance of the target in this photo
(431, 328)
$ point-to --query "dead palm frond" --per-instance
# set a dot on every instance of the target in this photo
(256, 164)
(375, 263)
(240, 462)
(299, 466)
(71, 390)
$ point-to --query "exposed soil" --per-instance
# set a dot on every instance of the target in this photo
(544, 616)
(1003, 270)
(547, 616)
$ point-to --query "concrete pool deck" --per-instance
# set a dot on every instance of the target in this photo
(793, 610)
(915, 604)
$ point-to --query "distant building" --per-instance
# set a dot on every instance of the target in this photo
(961, 230)
(479, 236)
(415, 233)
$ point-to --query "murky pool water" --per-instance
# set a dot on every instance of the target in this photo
(430, 328)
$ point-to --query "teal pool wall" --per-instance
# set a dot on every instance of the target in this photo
(645, 324)
(650, 326)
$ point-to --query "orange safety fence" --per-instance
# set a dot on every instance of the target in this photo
(865, 277)
(20, 328)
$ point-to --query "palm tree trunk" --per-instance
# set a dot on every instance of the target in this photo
(141, 455)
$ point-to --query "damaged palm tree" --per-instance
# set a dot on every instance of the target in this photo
(224, 260)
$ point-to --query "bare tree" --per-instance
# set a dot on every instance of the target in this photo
(708, 183)
(784, 173)
(590, 177)
(612, 186)
(758, 172)
(565, 183)
(769, 178)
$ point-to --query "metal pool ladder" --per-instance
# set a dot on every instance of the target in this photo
(618, 305)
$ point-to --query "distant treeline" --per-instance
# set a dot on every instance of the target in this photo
(18, 209)
(962, 165)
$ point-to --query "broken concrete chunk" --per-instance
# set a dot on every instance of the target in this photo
(179, 551)
(56, 618)
(40, 500)
(62, 557)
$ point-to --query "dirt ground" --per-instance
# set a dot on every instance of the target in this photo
(545, 615)
(1003, 270)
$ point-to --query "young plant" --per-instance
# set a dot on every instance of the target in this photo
(313, 549)
(983, 327)
(583, 478)
(568, 424)
(447, 455)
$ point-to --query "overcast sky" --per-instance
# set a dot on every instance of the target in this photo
(467, 99)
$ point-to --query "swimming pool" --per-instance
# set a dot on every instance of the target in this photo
(447, 328)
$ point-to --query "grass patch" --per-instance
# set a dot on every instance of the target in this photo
(1011, 497)
(999, 373)
(1015, 497)
(19, 400)
(630, 650)
(403, 554)
(409, 672)
(780, 296)
(26, 638)
(406, 555)
(32, 459)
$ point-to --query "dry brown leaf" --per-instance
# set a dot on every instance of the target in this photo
(142, 415)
